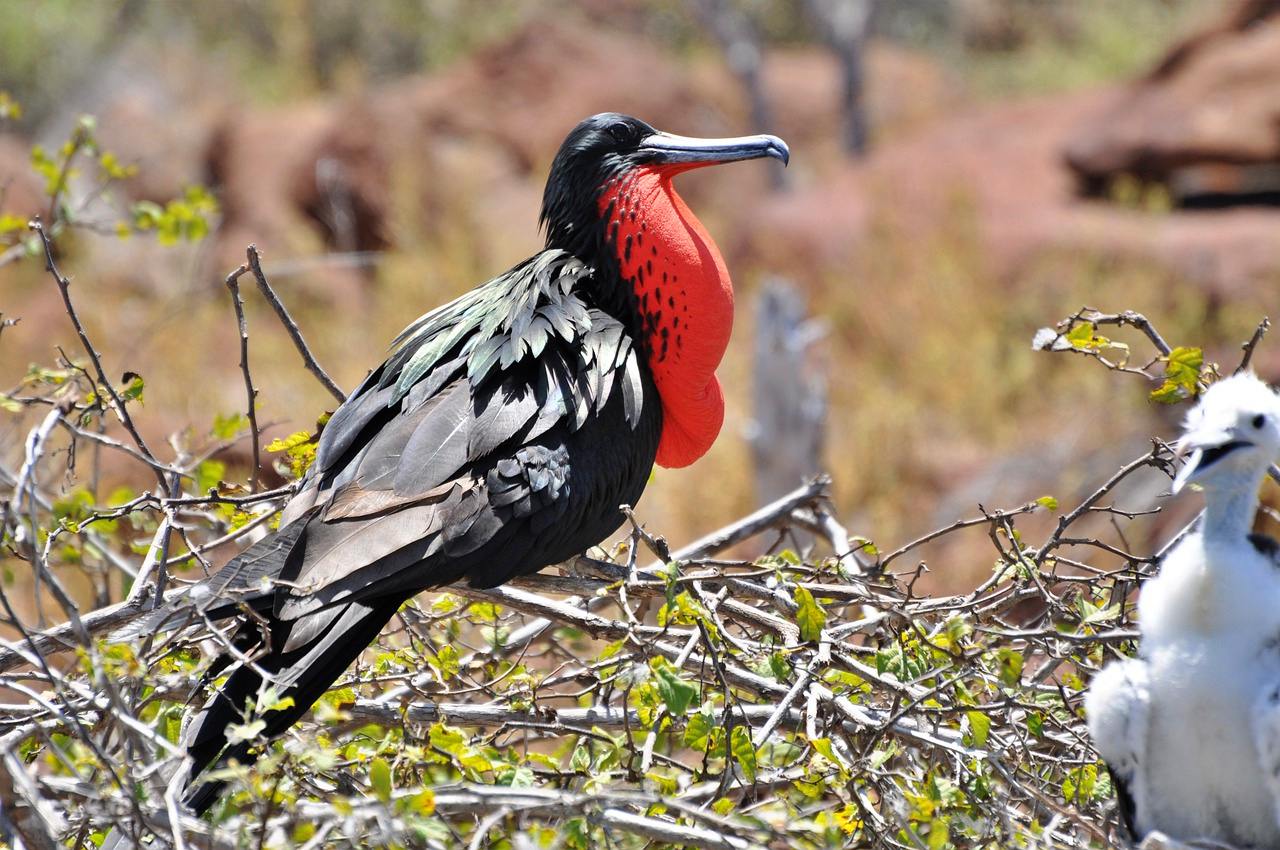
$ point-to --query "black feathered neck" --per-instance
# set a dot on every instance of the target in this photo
(597, 153)
(594, 154)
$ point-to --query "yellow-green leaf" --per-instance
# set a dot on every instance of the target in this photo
(676, 693)
(1010, 666)
(1181, 375)
(979, 727)
(744, 752)
(939, 833)
(809, 616)
(380, 779)
(1081, 336)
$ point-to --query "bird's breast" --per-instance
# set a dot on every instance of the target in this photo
(685, 301)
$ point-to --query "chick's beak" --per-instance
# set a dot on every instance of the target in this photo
(1200, 449)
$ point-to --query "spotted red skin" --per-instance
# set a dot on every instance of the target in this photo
(685, 299)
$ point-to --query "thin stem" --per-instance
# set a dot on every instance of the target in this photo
(308, 359)
(233, 283)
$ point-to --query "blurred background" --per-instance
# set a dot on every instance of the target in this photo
(962, 174)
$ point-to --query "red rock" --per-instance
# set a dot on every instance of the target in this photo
(1211, 102)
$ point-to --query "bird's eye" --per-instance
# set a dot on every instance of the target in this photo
(1259, 420)
(621, 132)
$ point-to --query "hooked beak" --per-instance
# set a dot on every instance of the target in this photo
(666, 148)
(1201, 450)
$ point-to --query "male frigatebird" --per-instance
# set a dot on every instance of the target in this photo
(503, 433)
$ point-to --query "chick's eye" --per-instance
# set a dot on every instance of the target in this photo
(1259, 421)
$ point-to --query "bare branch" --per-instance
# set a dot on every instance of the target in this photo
(308, 359)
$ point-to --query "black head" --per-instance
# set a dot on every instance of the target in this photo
(605, 147)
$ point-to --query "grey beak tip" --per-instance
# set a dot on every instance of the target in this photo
(779, 150)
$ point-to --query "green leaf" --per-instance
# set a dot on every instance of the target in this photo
(9, 108)
(847, 819)
(1010, 665)
(779, 666)
(939, 833)
(270, 700)
(208, 474)
(1080, 784)
(1167, 393)
(979, 727)
(823, 746)
(113, 168)
(675, 692)
(577, 833)
(698, 730)
(446, 661)
(133, 388)
(864, 545)
(182, 218)
(422, 803)
(665, 785)
(683, 609)
(1048, 502)
(447, 603)
(1184, 365)
(292, 441)
(881, 756)
(744, 752)
(380, 779)
(299, 447)
(810, 616)
(227, 427)
(1181, 375)
(1103, 614)
(1081, 336)
(238, 733)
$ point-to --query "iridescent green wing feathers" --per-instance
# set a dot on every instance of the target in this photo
(523, 351)
(498, 323)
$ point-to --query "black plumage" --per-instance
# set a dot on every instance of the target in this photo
(486, 447)
(501, 435)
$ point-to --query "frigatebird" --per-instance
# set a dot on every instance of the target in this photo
(1190, 729)
(502, 434)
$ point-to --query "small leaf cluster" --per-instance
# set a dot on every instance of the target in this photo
(188, 217)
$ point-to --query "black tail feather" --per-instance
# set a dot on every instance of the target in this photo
(246, 579)
(306, 673)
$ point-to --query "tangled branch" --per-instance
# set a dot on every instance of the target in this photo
(743, 690)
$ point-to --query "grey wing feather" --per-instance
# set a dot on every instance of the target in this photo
(437, 450)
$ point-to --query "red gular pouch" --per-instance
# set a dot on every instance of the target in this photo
(685, 300)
